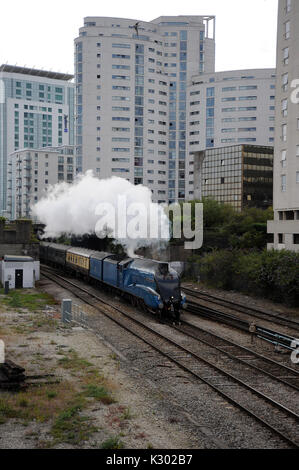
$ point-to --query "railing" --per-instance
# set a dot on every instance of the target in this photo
(74, 313)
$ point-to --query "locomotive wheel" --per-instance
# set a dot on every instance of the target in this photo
(141, 305)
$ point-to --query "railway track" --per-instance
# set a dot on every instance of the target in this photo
(243, 309)
(270, 413)
(262, 364)
(274, 337)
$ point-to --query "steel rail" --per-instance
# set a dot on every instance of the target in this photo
(243, 349)
(274, 337)
(274, 403)
(242, 308)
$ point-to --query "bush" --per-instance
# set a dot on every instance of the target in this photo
(224, 228)
(279, 276)
(270, 274)
(245, 274)
(217, 268)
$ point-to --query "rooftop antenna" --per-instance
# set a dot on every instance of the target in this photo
(136, 25)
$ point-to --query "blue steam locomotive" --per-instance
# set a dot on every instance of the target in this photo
(151, 285)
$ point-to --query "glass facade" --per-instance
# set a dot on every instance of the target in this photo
(239, 175)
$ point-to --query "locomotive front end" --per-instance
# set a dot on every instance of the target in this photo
(169, 288)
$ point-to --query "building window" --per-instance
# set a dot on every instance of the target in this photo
(284, 132)
(248, 87)
(285, 81)
(283, 183)
(283, 158)
(287, 29)
(284, 107)
(286, 56)
(247, 98)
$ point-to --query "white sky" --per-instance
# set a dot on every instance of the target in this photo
(39, 33)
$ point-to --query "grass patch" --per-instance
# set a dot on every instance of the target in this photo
(126, 415)
(61, 404)
(3, 331)
(71, 427)
(35, 322)
(100, 393)
(29, 299)
(74, 362)
(6, 411)
(94, 385)
(112, 443)
(39, 403)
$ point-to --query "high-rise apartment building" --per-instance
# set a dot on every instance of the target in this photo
(36, 110)
(131, 97)
(229, 108)
(285, 227)
(31, 172)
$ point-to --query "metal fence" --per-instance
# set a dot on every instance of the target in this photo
(74, 313)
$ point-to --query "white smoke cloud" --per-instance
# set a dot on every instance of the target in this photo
(113, 206)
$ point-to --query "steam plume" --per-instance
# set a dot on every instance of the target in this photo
(77, 209)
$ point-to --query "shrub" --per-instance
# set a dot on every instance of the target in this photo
(279, 276)
(217, 268)
(270, 274)
(245, 273)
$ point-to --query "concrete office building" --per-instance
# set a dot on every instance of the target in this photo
(239, 175)
(36, 110)
(229, 108)
(131, 82)
(285, 227)
(31, 172)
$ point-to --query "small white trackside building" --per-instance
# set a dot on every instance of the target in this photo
(19, 271)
